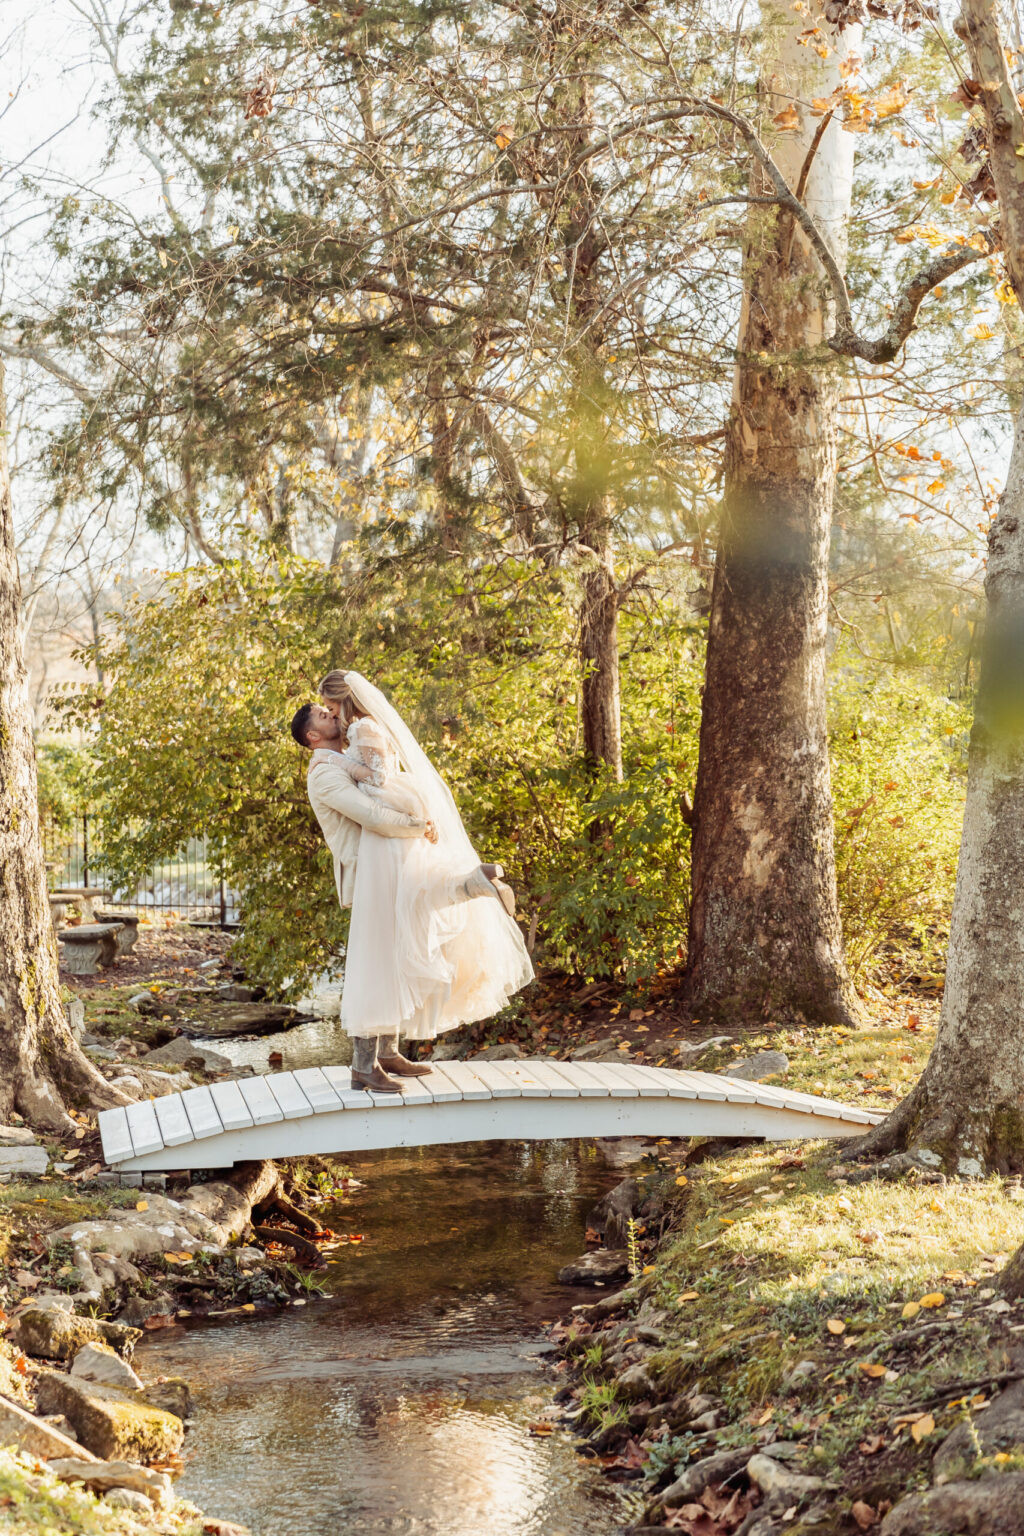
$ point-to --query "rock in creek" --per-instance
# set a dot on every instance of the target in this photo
(247, 1019)
(127, 1498)
(610, 1216)
(605, 1266)
(16, 1136)
(98, 1362)
(29, 1433)
(23, 1162)
(52, 1334)
(110, 1421)
(992, 1507)
(102, 1476)
(754, 1069)
(183, 1052)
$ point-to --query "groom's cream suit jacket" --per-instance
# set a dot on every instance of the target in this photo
(343, 812)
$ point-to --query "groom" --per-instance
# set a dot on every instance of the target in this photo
(345, 816)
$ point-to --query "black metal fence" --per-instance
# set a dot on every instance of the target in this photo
(190, 883)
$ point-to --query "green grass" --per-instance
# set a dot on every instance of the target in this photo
(32, 1503)
(769, 1248)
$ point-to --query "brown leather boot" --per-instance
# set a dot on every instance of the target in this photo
(376, 1081)
(402, 1068)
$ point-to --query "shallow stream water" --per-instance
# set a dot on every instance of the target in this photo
(403, 1402)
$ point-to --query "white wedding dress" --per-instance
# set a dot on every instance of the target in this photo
(419, 961)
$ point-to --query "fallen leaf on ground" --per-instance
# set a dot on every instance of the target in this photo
(933, 1299)
(871, 1369)
(871, 1445)
(922, 1427)
(142, 1205)
(911, 1309)
(25, 1278)
(835, 1325)
(864, 1515)
(688, 1296)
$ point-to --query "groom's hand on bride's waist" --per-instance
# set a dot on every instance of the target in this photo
(430, 832)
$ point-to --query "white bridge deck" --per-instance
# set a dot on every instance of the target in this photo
(316, 1109)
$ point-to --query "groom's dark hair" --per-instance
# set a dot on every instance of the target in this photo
(300, 724)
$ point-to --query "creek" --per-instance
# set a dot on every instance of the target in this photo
(408, 1400)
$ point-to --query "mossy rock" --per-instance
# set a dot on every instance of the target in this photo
(112, 1422)
(52, 1334)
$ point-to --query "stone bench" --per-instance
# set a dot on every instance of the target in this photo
(127, 924)
(83, 897)
(87, 947)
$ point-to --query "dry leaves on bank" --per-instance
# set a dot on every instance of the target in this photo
(719, 1512)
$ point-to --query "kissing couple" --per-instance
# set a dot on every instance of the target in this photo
(433, 942)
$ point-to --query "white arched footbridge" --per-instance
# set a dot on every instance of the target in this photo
(316, 1110)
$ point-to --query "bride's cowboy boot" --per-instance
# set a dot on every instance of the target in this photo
(366, 1069)
(486, 880)
(392, 1060)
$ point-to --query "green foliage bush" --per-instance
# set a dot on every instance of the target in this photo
(899, 755)
(190, 735)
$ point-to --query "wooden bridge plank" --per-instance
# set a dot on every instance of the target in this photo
(610, 1075)
(669, 1080)
(441, 1088)
(202, 1112)
(467, 1079)
(259, 1100)
(590, 1084)
(117, 1138)
(558, 1084)
(173, 1121)
(230, 1105)
(340, 1079)
(523, 1073)
(317, 1089)
(500, 1083)
(289, 1095)
(144, 1128)
(707, 1085)
(649, 1086)
(585, 1087)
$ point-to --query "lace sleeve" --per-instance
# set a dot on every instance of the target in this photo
(370, 744)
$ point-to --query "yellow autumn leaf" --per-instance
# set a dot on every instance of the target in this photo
(161, 257)
(921, 1428)
(682, 1180)
(836, 1325)
(871, 1369)
(172, 1258)
(936, 486)
(911, 1309)
(648, 1269)
(933, 1299)
(142, 1205)
(904, 236)
(788, 120)
(981, 332)
(504, 136)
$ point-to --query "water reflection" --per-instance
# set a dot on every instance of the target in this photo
(403, 1404)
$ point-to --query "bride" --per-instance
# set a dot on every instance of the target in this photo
(432, 942)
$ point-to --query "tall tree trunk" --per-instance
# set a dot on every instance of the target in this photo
(765, 934)
(599, 649)
(967, 1111)
(41, 1066)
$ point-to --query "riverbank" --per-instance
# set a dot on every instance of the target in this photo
(815, 1346)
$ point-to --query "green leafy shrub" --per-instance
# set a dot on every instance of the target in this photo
(898, 779)
(190, 736)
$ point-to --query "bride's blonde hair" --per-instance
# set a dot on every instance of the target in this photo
(336, 690)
